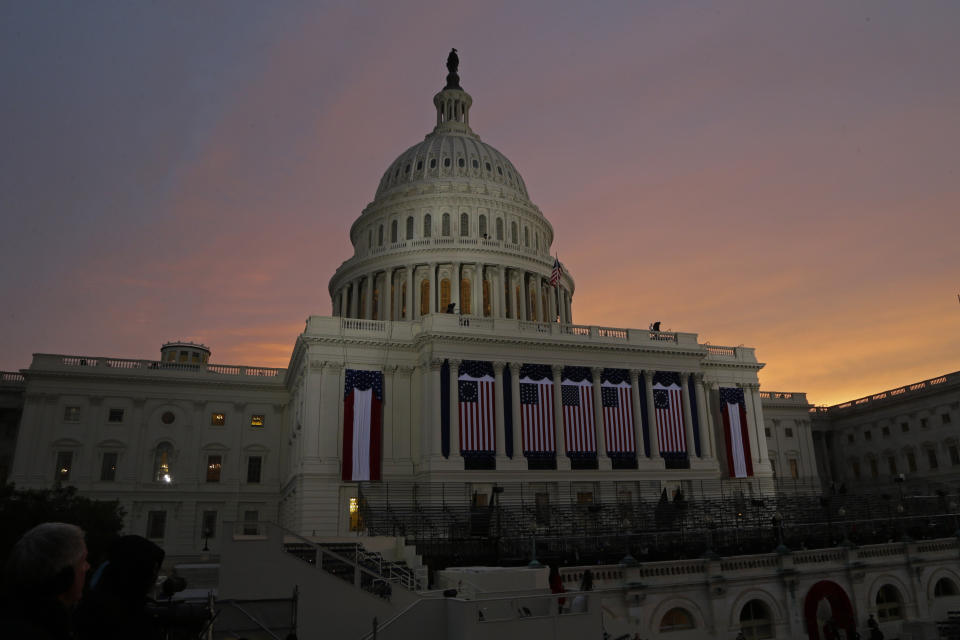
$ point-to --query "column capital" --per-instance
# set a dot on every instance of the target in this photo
(498, 366)
(435, 364)
(557, 369)
(648, 375)
(454, 362)
(515, 368)
(596, 371)
(405, 369)
(332, 366)
(389, 368)
(634, 375)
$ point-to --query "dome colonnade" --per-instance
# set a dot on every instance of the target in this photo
(451, 223)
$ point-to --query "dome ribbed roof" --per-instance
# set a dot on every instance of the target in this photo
(450, 155)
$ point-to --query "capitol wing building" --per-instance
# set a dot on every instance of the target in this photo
(452, 372)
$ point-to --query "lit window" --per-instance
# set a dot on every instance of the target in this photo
(156, 524)
(254, 467)
(794, 468)
(676, 619)
(115, 415)
(889, 606)
(71, 414)
(64, 464)
(162, 463)
(256, 420)
(584, 497)
(214, 465)
(356, 521)
(108, 467)
(217, 419)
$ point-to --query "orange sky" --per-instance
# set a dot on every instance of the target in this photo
(780, 176)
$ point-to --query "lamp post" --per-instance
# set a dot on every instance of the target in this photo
(842, 512)
(778, 524)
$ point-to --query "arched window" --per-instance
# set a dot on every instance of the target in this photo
(380, 237)
(487, 312)
(483, 226)
(526, 236)
(163, 463)
(944, 588)
(409, 227)
(676, 619)
(755, 620)
(445, 225)
(444, 294)
(427, 222)
(424, 297)
(464, 224)
(889, 603)
(499, 228)
(517, 308)
(507, 298)
(376, 305)
(393, 231)
(465, 298)
(513, 232)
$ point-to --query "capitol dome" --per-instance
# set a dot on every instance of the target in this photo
(451, 229)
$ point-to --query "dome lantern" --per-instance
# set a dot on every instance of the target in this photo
(453, 103)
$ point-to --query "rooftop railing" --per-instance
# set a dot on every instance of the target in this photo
(13, 377)
(53, 361)
(914, 388)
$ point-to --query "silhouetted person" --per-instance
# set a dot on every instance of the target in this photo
(43, 582)
(116, 605)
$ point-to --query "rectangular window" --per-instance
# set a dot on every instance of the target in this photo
(254, 465)
(214, 466)
(911, 462)
(766, 431)
(923, 423)
(904, 427)
(256, 420)
(64, 464)
(850, 438)
(954, 455)
(584, 497)
(250, 523)
(71, 414)
(932, 458)
(794, 468)
(868, 436)
(856, 469)
(108, 467)
(788, 431)
(156, 524)
(209, 528)
(217, 419)
(356, 521)
(886, 432)
(892, 463)
(873, 468)
(945, 418)
(115, 415)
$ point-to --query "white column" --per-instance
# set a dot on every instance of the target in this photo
(602, 457)
(434, 294)
(515, 410)
(477, 290)
(344, 301)
(354, 299)
(410, 311)
(687, 414)
(637, 417)
(501, 285)
(706, 442)
(368, 298)
(569, 303)
(389, 376)
(558, 414)
(541, 316)
(455, 287)
(499, 415)
(757, 446)
(391, 294)
(651, 416)
(454, 410)
(524, 297)
(432, 400)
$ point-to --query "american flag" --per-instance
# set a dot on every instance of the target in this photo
(669, 409)
(362, 426)
(580, 429)
(556, 273)
(618, 417)
(476, 395)
(536, 415)
(734, 411)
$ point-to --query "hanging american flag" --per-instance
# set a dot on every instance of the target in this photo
(536, 415)
(734, 410)
(669, 410)
(618, 417)
(556, 273)
(362, 404)
(476, 394)
(579, 427)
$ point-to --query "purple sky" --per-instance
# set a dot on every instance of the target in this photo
(782, 175)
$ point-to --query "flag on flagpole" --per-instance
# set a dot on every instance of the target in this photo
(362, 404)
(734, 410)
(476, 397)
(556, 273)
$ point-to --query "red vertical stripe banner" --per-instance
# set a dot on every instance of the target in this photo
(362, 426)
(736, 432)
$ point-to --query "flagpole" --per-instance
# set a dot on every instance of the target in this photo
(557, 293)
